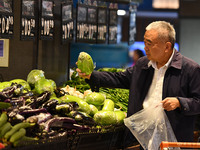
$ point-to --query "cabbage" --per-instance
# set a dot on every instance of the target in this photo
(43, 85)
(34, 76)
(4, 85)
(22, 82)
(85, 63)
(95, 98)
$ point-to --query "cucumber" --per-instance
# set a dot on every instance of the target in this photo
(3, 119)
(4, 105)
(105, 117)
(6, 127)
(16, 128)
(17, 135)
(108, 105)
(120, 115)
(93, 109)
(23, 140)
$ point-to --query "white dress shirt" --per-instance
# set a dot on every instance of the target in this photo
(154, 94)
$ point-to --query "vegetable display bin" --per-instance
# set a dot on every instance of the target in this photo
(103, 139)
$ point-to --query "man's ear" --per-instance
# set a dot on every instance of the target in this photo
(168, 46)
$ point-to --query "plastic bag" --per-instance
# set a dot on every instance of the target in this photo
(150, 127)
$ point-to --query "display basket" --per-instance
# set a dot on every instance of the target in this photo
(188, 145)
(104, 138)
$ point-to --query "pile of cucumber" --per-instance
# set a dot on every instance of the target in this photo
(13, 134)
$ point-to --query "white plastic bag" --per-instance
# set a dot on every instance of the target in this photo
(150, 126)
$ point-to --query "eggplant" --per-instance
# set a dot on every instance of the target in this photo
(40, 118)
(82, 117)
(63, 109)
(50, 105)
(18, 102)
(14, 116)
(60, 92)
(42, 98)
(32, 112)
(56, 134)
(57, 122)
(9, 92)
(75, 126)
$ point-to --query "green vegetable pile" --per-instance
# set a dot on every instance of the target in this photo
(119, 96)
(77, 82)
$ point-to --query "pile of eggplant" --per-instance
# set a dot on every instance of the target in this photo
(49, 118)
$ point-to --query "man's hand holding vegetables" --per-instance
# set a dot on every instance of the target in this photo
(164, 75)
(83, 75)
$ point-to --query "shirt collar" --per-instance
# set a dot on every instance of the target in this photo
(153, 63)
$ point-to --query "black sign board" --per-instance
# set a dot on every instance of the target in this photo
(102, 25)
(28, 20)
(92, 23)
(132, 23)
(47, 20)
(112, 27)
(81, 22)
(67, 22)
(6, 18)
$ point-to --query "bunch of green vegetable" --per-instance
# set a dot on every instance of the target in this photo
(77, 82)
(119, 96)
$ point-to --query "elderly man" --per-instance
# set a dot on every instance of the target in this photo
(163, 75)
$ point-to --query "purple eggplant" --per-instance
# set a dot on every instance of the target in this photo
(60, 92)
(42, 98)
(32, 112)
(50, 105)
(9, 92)
(40, 118)
(75, 126)
(57, 122)
(82, 117)
(18, 102)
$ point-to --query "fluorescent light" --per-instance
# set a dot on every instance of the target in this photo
(121, 12)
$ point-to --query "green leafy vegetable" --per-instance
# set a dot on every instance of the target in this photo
(85, 63)
(34, 76)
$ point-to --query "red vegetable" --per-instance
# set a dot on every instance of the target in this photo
(2, 146)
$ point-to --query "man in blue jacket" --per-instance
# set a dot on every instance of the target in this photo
(163, 75)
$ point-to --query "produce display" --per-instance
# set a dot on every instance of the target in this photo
(120, 97)
(36, 109)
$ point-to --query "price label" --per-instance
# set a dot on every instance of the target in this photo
(6, 25)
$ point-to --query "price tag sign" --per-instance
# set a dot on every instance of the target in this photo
(81, 22)
(67, 22)
(92, 23)
(47, 20)
(112, 26)
(102, 25)
(28, 20)
(132, 23)
(6, 18)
